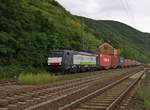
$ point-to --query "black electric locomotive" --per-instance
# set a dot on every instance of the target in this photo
(72, 61)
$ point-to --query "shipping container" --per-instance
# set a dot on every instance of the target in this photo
(133, 62)
(127, 62)
(121, 61)
(114, 61)
(138, 63)
(104, 61)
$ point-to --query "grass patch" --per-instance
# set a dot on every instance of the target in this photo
(39, 78)
(145, 95)
(34, 76)
(43, 77)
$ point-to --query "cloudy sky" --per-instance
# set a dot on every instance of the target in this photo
(132, 12)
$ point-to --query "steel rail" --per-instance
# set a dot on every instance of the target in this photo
(92, 95)
(122, 95)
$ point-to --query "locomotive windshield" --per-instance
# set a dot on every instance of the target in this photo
(55, 54)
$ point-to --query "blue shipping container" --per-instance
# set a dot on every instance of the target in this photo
(121, 61)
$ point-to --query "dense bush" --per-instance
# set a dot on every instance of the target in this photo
(28, 30)
(9, 72)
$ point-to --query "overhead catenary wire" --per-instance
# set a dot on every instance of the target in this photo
(128, 10)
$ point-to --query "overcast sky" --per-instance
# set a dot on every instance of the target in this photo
(133, 12)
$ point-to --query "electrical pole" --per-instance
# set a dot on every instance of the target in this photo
(82, 33)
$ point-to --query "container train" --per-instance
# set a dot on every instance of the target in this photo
(78, 61)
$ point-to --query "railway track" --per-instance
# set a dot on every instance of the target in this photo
(52, 88)
(7, 83)
(108, 98)
(11, 100)
(4, 83)
(58, 102)
(41, 97)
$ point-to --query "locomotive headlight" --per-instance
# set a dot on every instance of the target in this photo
(54, 60)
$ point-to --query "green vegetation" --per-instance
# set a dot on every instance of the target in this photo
(43, 77)
(130, 42)
(145, 95)
(144, 91)
(40, 78)
(29, 28)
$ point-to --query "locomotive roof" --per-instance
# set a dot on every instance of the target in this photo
(81, 52)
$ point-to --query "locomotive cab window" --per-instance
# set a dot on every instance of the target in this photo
(55, 54)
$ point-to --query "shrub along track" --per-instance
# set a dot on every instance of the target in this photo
(54, 96)
(137, 101)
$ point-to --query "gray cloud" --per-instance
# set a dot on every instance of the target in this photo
(132, 12)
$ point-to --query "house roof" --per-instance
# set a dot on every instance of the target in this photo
(105, 44)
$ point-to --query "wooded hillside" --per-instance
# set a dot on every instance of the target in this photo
(29, 28)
